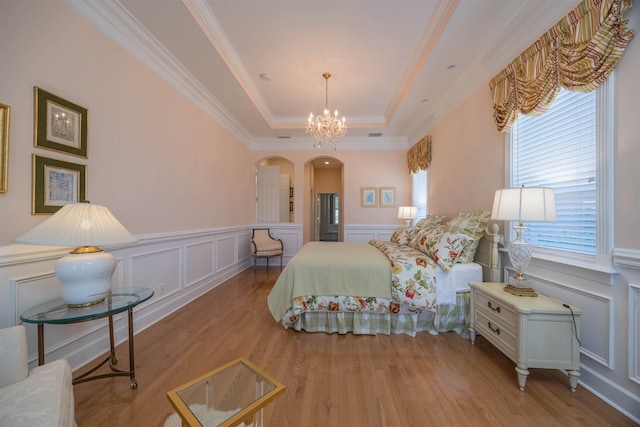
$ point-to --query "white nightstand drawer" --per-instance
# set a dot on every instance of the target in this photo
(497, 333)
(496, 309)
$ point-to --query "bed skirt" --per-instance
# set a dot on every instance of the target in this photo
(447, 318)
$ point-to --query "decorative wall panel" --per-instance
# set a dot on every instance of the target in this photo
(199, 261)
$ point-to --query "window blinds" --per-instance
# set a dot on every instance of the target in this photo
(558, 150)
(421, 192)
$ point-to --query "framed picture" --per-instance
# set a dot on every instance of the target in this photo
(56, 183)
(369, 197)
(60, 125)
(5, 111)
(387, 197)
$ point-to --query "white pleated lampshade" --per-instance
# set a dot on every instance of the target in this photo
(524, 204)
(407, 212)
(79, 224)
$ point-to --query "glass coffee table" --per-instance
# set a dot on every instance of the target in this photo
(231, 395)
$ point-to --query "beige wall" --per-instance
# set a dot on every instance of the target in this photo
(627, 146)
(154, 159)
(328, 180)
(467, 158)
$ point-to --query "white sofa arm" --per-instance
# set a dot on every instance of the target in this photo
(43, 397)
(14, 366)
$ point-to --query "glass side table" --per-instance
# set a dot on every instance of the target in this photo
(234, 394)
(118, 300)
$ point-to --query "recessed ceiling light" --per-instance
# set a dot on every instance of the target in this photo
(266, 77)
(326, 163)
(451, 67)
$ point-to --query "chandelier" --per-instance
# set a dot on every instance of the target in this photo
(326, 129)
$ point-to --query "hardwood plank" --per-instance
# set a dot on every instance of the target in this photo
(337, 380)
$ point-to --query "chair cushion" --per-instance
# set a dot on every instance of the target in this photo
(267, 247)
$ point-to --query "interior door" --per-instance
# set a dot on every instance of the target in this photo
(268, 194)
(285, 184)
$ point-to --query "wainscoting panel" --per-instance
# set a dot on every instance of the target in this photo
(30, 291)
(199, 261)
(634, 333)
(244, 251)
(364, 233)
(158, 270)
(226, 252)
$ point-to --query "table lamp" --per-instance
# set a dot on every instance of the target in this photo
(522, 204)
(407, 213)
(84, 274)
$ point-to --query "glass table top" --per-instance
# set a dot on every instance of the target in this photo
(57, 311)
(226, 396)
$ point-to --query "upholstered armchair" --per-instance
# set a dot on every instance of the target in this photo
(265, 246)
(42, 397)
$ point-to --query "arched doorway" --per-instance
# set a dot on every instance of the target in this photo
(326, 219)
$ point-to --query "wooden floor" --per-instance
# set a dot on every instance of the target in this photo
(333, 380)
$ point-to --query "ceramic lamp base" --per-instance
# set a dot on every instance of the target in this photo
(85, 277)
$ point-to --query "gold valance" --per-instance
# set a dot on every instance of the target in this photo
(578, 54)
(419, 156)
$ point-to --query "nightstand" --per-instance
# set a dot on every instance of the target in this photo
(534, 332)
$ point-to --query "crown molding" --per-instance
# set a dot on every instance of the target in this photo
(346, 144)
(117, 23)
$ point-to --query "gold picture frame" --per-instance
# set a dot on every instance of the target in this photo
(387, 197)
(369, 197)
(56, 183)
(60, 125)
(5, 120)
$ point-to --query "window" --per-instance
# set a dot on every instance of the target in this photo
(421, 192)
(566, 149)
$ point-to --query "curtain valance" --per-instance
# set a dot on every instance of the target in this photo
(419, 156)
(578, 54)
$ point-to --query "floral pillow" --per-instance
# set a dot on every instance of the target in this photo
(431, 221)
(404, 235)
(473, 225)
(441, 246)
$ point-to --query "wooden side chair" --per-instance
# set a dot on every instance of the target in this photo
(265, 246)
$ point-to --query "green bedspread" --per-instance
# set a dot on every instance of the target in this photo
(327, 268)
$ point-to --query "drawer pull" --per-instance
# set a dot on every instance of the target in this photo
(496, 330)
(492, 307)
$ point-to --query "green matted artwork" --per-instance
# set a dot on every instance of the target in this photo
(59, 125)
(55, 184)
(5, 116)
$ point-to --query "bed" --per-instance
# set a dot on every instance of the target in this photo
(418, 281)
